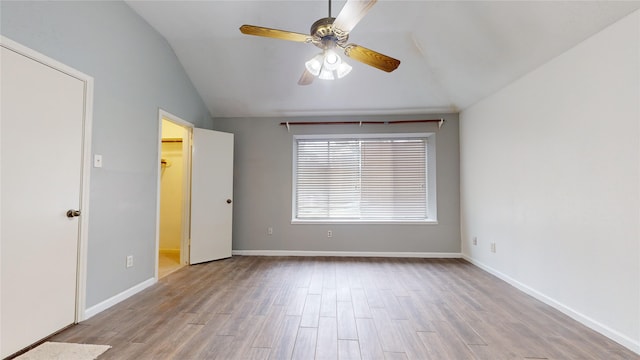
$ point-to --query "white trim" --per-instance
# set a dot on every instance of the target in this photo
(162, 114)
(81, 274)
(363, 222)
(173, 118)
(425, 255)
(94, 310)
(84, 219)
(631, 344)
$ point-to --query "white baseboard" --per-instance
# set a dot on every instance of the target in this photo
(90, 312)
(631, 344)
(346, 253)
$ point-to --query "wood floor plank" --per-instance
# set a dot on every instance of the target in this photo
(391, 303)
(417, 314)
(369, 341)
(158, 332)
(241, 346)
(205, 338)
(327, 344)
(285, 339)
(389, 339)
(305, 345)
(468, 335)
(493, 352)
(360, 303)
(311, 312)
(331, 307)
(237, 320)
(296, 303)
(253, 354)
(373, 297)
(329, 273)
(343, 290)
(329, 302)
(217, 345)
(125, 351)
(169, 346)
(274, 320)
(317, 279)
(346, 321)
(452, 341)
(411, 342)
(439, 347)
(395, 356)
(570, 349)
(264, 301)
(348, 350)
(498, 346)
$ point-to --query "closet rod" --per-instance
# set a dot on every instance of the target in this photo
(390, 122)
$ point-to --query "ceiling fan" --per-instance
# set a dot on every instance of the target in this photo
(330, 34)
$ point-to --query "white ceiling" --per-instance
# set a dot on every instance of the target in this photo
(453, 53)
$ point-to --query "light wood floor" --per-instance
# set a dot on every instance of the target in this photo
(330, 308)
(168, 262)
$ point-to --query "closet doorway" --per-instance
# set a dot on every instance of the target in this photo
(175, 184)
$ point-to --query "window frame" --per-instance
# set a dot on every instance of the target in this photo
(430, 178)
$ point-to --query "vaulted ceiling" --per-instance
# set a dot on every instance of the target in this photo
(453, 53)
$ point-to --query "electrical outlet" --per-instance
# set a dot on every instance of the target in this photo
(269, 231)
(329, 233)
(493, 247)
(475, 240)
(130, 261)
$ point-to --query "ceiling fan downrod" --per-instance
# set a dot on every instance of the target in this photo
(325, 36)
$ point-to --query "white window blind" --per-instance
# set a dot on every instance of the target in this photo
(383, 179)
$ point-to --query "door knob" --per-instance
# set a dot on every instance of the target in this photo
(73, 213)
(228, 201)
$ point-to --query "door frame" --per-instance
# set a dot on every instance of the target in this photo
(83, 232)
(186, 187)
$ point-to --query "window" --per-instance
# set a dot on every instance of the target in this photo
(364, 178)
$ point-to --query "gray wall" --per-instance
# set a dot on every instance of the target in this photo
(262, 191)
(135, 72)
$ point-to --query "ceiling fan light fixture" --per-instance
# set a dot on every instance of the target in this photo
(326, 74)
(343, 70)
(315, 64)
(331, 60)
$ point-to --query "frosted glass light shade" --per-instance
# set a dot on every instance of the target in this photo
(343, 70)
(327, 66)
(331, 60)
(314, 65)
(326, 74)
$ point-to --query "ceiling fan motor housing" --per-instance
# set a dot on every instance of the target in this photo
(325, 36)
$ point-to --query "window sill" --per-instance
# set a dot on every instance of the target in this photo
(364, 222)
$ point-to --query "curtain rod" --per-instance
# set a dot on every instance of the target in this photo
(390, 122)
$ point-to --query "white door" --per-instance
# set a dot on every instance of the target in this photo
(41, 155)
(211, 195)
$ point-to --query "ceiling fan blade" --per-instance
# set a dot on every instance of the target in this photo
(351, 14)
(274, 33)
(372, 58)
(306, 78)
